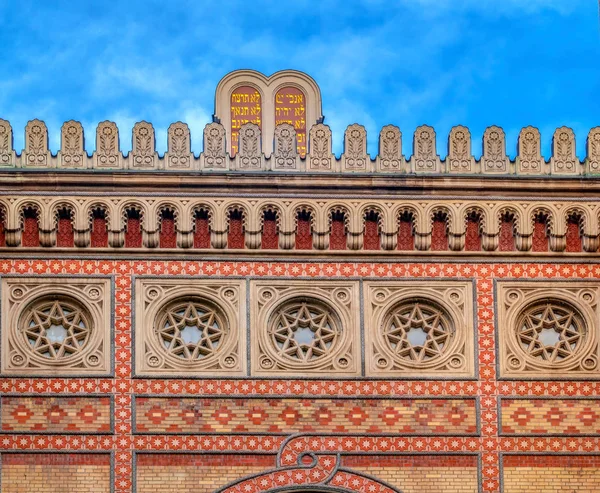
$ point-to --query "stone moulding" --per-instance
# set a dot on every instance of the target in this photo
(277, 157)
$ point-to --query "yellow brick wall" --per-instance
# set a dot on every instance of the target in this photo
(61, 473)
(551, 474)
(187, 473)
(419, 474)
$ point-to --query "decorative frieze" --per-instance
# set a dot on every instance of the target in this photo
(569, 227)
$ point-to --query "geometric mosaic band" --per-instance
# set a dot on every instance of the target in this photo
(286, 416)
(550, 417)
(41, 414)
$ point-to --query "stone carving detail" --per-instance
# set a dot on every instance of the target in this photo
(178, 155)
(305, 328)
(7, 155)
(355, 148)
(320, 157)
(390, 149)
(593, 150)
(494, 158)
(285, 155)
(564, 160)
(72, 154)
(548, 330)
(51, 328)
(36, 152)
(530, 159)
(191, 329)
(108, 154)
(249, 155)
(214, 154)
(428, 334)
(143, 153)
(459, 151)
(194, 325)
(425, 159)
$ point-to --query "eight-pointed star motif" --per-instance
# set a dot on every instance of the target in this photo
(304, 331)
(418, 331)
(550, 332)
(191, 331)
(56, 329)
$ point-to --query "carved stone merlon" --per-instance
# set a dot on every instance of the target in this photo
(425, 158)
(460, 159)
(249, 156)
(36, 153)
(564, 160)
(285, 154)
(593, 151)
(320, 157)
(178, 155)
(7, 154)
(72, 153)
(215, 154)
(529, 159)
(390, 157)
(355, 156)
(494, 159)
(108, 154)
(143, 154)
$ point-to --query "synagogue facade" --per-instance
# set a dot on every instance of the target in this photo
(269, 317)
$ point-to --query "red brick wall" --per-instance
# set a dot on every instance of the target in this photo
(367, 446)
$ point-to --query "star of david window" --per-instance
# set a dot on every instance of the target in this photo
(191, 330)
(304, 330)
(56, 328)
(418, 330)
(551, 331)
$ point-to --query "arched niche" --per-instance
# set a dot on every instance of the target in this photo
(288, 96)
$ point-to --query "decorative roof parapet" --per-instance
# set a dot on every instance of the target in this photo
(285, 157)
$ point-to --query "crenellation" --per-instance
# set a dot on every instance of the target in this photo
(285, 156)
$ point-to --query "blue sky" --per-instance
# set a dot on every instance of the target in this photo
(511, 63)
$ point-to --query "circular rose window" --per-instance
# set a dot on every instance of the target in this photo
(418, 330)
(191, 329)
(550, 331)
(304, 329)
(56, 328)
